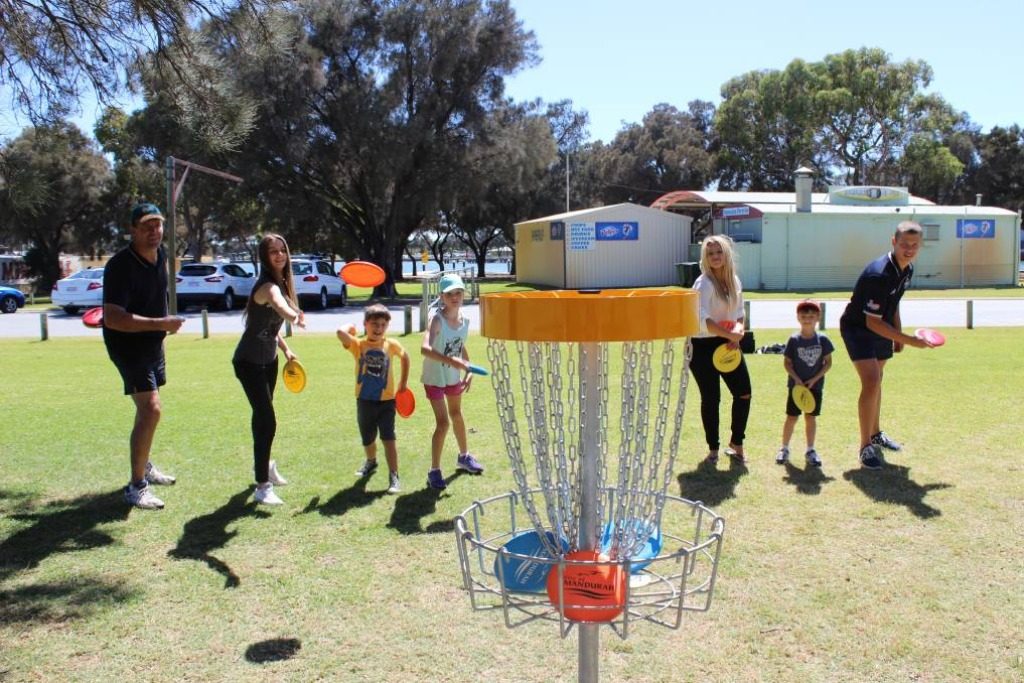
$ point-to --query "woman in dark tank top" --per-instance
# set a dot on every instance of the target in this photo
(271, 302)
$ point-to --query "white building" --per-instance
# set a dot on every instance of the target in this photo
(623, 245)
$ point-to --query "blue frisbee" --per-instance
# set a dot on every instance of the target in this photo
(647, 552)
(526, 570)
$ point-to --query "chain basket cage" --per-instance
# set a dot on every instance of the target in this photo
(591, 409)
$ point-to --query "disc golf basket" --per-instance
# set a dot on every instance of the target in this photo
(591, 393)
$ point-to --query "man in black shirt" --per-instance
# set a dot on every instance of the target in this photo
(872, 332)
(135, 322)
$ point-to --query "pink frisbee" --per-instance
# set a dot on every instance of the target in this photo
(933, 337)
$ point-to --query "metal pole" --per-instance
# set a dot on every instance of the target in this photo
(408, 319)
(172, 285)
(746, 315)
(567, 181)
(821, 323)
(590, 400)
(44, 329)
(206, 323)
(970, 314)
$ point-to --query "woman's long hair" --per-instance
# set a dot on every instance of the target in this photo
(725, 278)
(284, 280)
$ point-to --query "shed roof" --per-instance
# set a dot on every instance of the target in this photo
(639, 208)
(697, 199)
(913, 210)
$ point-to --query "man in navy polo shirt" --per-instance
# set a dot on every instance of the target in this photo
(870, 327)
(135, 322)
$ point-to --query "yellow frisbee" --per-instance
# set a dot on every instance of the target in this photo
(726, 359)
(294, 376)
(803, 398)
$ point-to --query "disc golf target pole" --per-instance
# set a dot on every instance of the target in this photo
(590, 634)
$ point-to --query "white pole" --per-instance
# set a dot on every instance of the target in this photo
(590, 399)
(567, 181)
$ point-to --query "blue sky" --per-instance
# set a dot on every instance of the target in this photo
(618, 59)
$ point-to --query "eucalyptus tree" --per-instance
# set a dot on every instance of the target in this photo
(52, 184)
(669, 150)
(373, 106)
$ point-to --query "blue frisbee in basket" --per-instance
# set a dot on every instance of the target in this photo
(527, 574)
(647, 552)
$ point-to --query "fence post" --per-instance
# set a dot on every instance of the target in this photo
(206, 324)
(44, 327)
(746, 314)
(407, 314)
(287, 328)
(970, 314)
(821, 323)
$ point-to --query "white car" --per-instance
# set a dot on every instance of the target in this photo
(224, 285)
(316, 281)
(83, 289)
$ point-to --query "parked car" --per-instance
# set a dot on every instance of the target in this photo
(11, 299)
(83, 289)
(224, 285)
(316, 282)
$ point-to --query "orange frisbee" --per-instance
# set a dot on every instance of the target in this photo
(591, 592)
(362, 274)
(405, 402)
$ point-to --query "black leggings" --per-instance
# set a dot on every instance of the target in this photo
(738, 382)
(259, 381)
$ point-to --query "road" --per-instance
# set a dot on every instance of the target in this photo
(764, 314)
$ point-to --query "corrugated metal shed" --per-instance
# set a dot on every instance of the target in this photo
(782, 249)
(688, 199)
(623, 245)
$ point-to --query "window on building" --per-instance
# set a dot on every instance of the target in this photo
(931, 232)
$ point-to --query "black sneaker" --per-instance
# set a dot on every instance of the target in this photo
(882, 440)
(367, 468)
(870, 458)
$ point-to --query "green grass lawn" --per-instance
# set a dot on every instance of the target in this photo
(913, 573)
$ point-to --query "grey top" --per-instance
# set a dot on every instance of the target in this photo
(259, 340)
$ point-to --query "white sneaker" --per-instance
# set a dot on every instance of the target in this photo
(142, 498)
(155, 476)
(265, 495)
(782, 457)
(275, 477)
(395, 486)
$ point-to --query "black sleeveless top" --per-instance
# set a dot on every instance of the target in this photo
(259, 340)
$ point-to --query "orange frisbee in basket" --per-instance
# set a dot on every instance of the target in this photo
(405, 402)
(362, 274)
(590, 592)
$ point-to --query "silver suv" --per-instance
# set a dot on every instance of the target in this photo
(316, 282)
(224, 285)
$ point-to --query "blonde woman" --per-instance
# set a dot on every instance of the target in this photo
(721, 301)
(271, 303)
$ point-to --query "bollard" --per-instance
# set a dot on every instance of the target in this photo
(44, 327)
(407, 313)
(821, 323)
(423, 316)
(206, 323)
(287, 328)
(970, 314)
(746, 315)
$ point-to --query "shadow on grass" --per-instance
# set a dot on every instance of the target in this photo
(807, 481)
(273, 650)
(62, 601)
(59, 527)
(709, 485)
(202, 535)
(411, 508)
(355, 496)
(892, 484)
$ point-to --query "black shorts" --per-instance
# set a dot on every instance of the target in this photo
(141, 373)
(374, 416)
(863, 344)
(793, 411)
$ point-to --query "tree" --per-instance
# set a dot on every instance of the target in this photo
(52, 51)
(999, 176)
(373, 106)
(670, 149)
(51, 190)
(768, 126)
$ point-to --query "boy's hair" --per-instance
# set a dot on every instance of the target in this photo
(374, 311)
(908, 228)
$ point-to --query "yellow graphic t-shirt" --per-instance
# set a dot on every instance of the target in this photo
(374, 380)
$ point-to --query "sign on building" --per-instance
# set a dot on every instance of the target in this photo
(581, 236)
(975, 228)
(617, 231)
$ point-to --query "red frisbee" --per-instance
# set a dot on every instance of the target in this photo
(933, 337)
(362, 274)
(93, 317)
(405, 402)
(731, 325)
